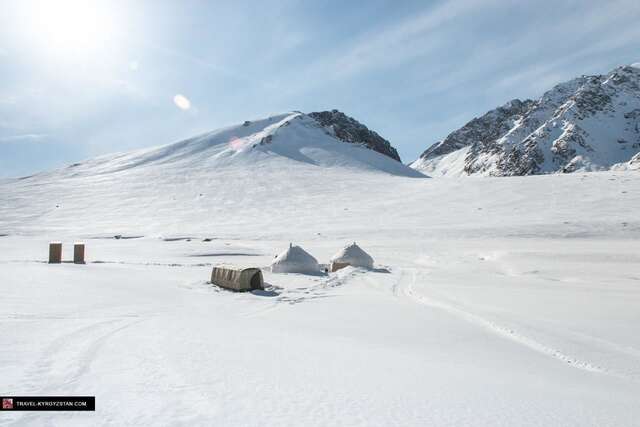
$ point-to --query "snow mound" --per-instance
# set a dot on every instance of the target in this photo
(295, 260)
(353, 255)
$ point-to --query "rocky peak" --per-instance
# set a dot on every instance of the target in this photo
(349, 130)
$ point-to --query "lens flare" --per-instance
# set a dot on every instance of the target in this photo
(237, 144)
(182, 102)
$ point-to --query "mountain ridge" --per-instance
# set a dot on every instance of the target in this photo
(281, 138)
(588, 123)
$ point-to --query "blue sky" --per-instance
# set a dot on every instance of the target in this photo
(83, 78)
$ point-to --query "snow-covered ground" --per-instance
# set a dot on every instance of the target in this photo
(493, 302)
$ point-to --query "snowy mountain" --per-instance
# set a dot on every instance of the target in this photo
(589, 123)
(254, 167)
(286, 140)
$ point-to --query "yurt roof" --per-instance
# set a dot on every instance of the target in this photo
(352, 252)
(295, 254)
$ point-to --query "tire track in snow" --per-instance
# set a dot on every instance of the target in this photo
(76, 367)
(505, 332)
(83, 347)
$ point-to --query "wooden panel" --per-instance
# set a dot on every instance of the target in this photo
(55, 253)
(78, 253)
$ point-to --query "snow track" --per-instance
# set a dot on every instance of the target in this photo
(407, 287)
(71, 356)
(319, 289)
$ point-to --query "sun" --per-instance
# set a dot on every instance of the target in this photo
(72, 27)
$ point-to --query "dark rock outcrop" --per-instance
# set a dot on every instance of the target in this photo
(349, 130)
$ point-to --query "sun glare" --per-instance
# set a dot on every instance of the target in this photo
(72, 27)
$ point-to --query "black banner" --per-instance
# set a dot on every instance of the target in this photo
(48, 403)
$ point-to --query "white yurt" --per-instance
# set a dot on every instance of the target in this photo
(353, 255)
(295, 260)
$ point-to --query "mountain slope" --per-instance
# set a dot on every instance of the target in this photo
(236, 175)
(589, 123)
(283, 140)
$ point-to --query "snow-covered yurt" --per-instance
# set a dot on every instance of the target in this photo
(295, 260)
(352, 255)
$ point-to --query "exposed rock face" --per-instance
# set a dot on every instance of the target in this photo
(349, 130)
(589, 123)
(482, 129)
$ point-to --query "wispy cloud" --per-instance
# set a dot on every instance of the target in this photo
(541, 75)
(389, 46)
(26, 137)
(192, 59)
(520, 68)
(410, 38)
(8, 100)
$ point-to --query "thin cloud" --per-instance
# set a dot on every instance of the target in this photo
(388, 46)
(205, 64)
(487, 62)
(26, 137)
(9, 100)
(398, 43)
(542, 75)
